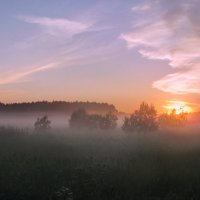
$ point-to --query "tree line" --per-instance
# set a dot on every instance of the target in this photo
(145, 119)
(57, 106)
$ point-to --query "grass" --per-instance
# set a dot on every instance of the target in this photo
(95, 165)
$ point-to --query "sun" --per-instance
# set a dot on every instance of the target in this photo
(178, 106)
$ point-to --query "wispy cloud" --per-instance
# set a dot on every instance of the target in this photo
(75, 54)
(63, 50)
(15, 76)
(170, 31)
(58, 26)
(57, 42)
(142, 7)
(180, 83)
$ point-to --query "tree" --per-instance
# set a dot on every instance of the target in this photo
(173, 119)
(109, 121)
(142, 120)
(42, 124)
(79, 118)
(94, 121)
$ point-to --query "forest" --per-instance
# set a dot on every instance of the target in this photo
(56, 106)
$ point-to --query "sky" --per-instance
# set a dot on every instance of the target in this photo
(116, 51)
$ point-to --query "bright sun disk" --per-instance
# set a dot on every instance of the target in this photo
(178, 106)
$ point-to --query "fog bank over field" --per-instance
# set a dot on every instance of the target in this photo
(27, 120)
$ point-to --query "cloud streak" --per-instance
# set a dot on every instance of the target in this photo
(60, 51)
(15, 76)
(58, 26)
(169, 30)
(141, 8)
(74, 54)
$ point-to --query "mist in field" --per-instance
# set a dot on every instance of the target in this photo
(98, 155)
(95, 164)
(27, 120)
(92, 156)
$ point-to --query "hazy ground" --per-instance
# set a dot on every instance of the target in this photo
(99, 165)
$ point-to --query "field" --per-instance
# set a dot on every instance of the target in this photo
(97, 165)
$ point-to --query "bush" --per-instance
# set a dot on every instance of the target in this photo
(142, 120)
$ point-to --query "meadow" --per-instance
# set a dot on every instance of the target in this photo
(64, 164)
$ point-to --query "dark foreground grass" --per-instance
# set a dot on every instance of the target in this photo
(98, 166)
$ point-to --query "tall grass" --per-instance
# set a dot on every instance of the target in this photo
(98, 165)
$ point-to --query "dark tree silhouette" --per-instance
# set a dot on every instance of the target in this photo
(42, 124)
(94, 121)
(172, 119)
(142, 120)
(57, 106)
(109, 121)
(79, 119)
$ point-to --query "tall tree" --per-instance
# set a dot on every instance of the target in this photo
(142, 120)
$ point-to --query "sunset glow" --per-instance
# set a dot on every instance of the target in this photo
(100, 99)
(178, 106)
(101, 51)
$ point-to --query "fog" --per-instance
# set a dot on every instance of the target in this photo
(27, 120)
(96, 164)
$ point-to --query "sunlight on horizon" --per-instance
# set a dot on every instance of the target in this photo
(178, 106)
